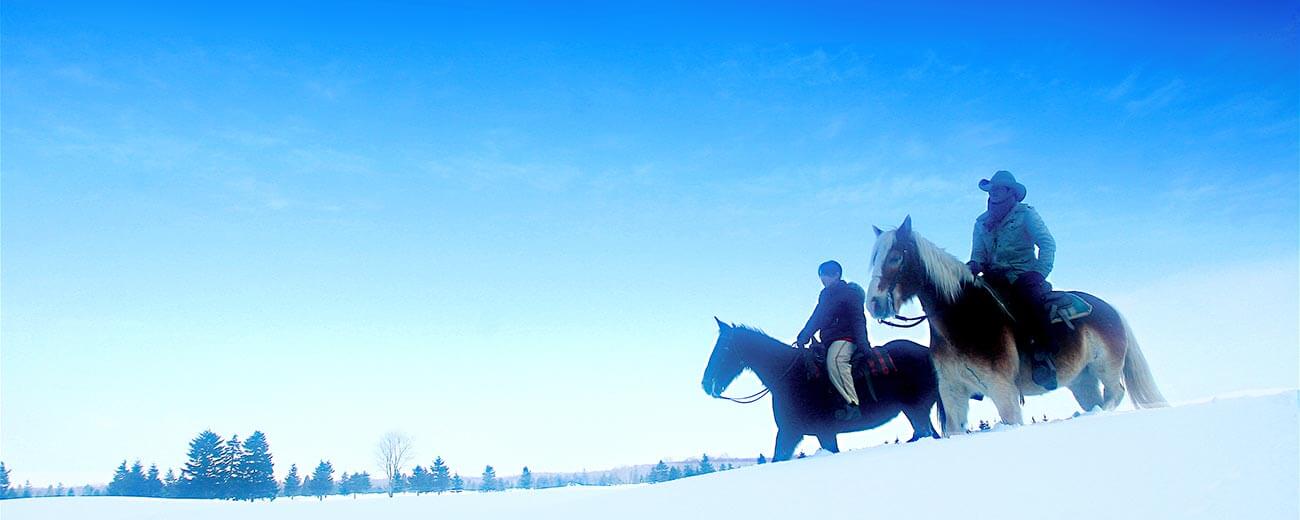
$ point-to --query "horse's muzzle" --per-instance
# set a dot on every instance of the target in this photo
(711, 387)
(880, 307)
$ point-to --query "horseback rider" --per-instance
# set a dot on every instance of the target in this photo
(1003, 250)
(843, 325)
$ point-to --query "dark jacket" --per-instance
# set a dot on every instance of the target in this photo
(839, 315)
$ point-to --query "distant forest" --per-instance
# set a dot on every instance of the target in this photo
(231, 469)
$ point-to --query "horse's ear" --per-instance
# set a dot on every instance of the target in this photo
(905, 230)
(877, 230)
(721, 325)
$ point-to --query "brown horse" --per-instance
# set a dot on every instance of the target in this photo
(973, 340)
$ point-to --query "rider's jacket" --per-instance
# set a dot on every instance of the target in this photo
(839, 315)
(1007, 250)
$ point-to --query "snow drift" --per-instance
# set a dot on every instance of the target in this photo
(1233, 457)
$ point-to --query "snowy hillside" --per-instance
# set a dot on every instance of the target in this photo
(1236, 457)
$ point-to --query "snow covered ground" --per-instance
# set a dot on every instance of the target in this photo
(1231, 457)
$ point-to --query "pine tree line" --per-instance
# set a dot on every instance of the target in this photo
(8, 490)
(216, 468)
(662, 472)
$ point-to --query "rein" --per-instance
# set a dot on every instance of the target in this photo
(752, 398)
(907, 322)
(755, 397)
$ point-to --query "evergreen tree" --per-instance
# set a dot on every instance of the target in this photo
(256, 470)
(292, 484)
(355, 483)
(204, 475)
(674, 473)
(762, 459)
(489, 480)
(235, 483)
(153, 486)
(27, 487)
(169, 484)
(690, 471)
(120, 485)
(659, 473)
(322, 480)
(705, 465)
(441, 476)
(457, 483)
(5, 492)
(88, 491)
(345, 484)
(137, 486)
(421, 480)
(525, 479)
(126, 482)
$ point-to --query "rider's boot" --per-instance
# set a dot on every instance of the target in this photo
(1043, 369)
(848, 413)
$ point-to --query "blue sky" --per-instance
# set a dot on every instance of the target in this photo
(505, 230)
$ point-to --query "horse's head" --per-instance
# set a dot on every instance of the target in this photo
(724, 363)
(896, 271)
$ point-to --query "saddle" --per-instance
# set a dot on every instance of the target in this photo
(867, 363)
(1061, 307)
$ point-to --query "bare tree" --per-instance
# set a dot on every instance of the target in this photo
(392, 453)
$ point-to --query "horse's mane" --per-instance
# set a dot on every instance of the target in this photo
(944, 270)
(747, 329)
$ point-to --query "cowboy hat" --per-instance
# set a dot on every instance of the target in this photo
(1004, 178)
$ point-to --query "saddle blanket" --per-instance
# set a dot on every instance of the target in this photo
(869, 361)
(1065, 307)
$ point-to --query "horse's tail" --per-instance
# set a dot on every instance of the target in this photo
(1137, 374)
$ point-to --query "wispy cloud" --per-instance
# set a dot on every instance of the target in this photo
(820, 67)
(263, 194)
(982, 135)
(487, 172)
(329, 90)
(933, 66)
(1156, 99)
(1124, 87)
(81, 75)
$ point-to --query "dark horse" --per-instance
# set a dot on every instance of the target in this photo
(804, 402)
(973, 339)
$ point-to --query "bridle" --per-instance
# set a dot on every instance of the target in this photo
(756, 396)
(907, 322)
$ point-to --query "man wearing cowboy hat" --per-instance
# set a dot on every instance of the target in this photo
(1003, 248)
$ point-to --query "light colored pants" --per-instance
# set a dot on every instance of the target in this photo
(837, 365)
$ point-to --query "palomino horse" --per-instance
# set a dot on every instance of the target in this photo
(804, 403)
(973, 342)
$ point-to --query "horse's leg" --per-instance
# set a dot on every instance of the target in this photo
(1111, 374)
(920, 419)
(829, 441)
(785, 444)
(1086, 390)
(1006, 397)
(956, 404)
